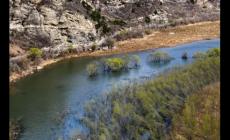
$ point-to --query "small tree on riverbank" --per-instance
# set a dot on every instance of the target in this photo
(36, 55)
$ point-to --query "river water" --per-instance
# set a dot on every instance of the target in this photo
(51, 102)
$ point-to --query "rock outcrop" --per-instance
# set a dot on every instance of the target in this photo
(58, 24)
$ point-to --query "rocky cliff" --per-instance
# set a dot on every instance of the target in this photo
(58, 24)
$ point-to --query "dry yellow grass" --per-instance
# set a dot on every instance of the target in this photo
(167, 38)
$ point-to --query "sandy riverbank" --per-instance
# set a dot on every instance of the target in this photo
(157, 39)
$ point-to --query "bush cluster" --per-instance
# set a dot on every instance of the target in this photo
(146, 109)
(114, 64)
(159, 57)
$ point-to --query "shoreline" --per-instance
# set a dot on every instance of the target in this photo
(169, 37)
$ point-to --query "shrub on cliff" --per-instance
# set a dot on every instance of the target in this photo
(35, 53)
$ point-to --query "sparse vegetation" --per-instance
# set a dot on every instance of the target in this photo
(109, 42)
(146, 109)
(159, 57)
(124, 35)
(19, 65)
(92, 69)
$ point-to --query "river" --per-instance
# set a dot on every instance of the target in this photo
(62, 89)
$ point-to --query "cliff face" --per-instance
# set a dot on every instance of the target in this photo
(58, 24)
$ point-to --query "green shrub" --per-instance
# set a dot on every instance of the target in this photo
(92, 69)
(159, 56)
(35, 53)
(115, 64)
(213, 52)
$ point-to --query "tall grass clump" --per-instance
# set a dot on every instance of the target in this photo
(159, 57)
(201, 116)
(92, 69)
(146, 109)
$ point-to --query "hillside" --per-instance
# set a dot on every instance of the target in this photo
(61, 28)
(61, 23)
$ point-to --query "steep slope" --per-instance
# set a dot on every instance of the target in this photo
(60, 23)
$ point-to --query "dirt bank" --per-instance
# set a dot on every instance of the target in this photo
(157, 39)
